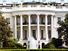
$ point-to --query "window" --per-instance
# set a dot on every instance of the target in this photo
(33, 19)
(18, 20)
(42, 20)
(59, 19)
(42, 34)
(49, 32)
(25, 19)
(34, 34)
(18, 33)
(8, 20)
(25, 35)
(49, 19)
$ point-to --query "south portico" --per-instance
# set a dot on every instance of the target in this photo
(34, 24)
(37, 26)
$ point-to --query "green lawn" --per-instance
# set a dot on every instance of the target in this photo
(33, 50)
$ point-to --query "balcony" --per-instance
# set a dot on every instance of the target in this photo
(42, 22)
(25, 23)
(33, 22)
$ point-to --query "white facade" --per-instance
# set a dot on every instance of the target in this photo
(34, 23)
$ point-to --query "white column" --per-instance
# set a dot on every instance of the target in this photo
(51, 26)
(38, 31)
(29, 25)
(46, 29)
(15, 28)
(38, 28)
(21, 28)
(29, 30)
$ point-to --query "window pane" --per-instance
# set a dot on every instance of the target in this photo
(34, 34)
(25, 19)
(42, 19)
(18, 33)
(18, 20)
(25, 35)
(49, 19)
(42, 35)
(49, 32)
(33, 19)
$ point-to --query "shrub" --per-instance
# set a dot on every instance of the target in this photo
(55, 43)
(12, 43)
(50, 45)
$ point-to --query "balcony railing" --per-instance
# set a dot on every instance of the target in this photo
(33, 22)
(25, 23)
(42, 22)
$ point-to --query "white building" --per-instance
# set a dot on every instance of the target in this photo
(34, 23)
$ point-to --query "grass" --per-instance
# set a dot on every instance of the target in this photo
(46, 49)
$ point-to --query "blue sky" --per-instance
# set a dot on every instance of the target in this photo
(32, 0)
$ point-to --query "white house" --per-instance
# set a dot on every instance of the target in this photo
(34, 23)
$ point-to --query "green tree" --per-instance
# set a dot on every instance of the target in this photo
(6, 38)
(5, 31)
(63, 29)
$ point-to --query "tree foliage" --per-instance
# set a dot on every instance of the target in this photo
(63, 29)
(54, 43)
(12, 44)
(5, 31)
(6, 38)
